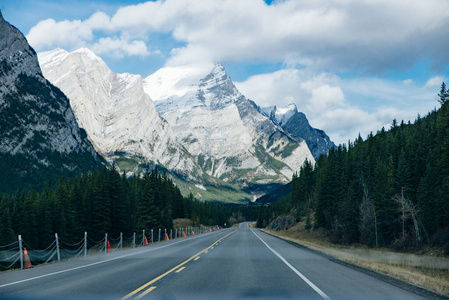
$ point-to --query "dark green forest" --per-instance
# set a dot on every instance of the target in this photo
(102, 202)
(389, 190)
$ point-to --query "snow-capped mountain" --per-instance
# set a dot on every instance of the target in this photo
(209, 132)
(281, 115)
(39, 135)
(119, 117)
(297, 125)
(228, 136)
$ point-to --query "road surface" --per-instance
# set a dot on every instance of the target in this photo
(235, 263)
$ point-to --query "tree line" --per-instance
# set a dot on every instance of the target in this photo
(102, 202)
(391, 189)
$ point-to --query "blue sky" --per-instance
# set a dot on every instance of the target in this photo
(350, 65)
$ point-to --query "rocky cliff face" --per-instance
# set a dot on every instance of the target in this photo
(200, 125)
(119, 117)
(40, 138)
(229, 138)
(296, 124)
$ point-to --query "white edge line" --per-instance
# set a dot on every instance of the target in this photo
(320, 292)
(99, 262)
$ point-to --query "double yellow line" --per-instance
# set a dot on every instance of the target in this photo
(138, 290)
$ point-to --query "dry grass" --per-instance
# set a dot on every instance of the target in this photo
(182, 223)
(428, 272)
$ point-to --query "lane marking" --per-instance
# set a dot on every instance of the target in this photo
(320, 292)
(180, 269)
(146, 292)
(173, 269)
(197, 258)
(99, 262)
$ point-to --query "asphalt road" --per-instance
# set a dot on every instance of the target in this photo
(236, 263)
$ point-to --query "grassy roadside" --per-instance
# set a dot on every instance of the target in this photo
(425, 271)
(182, 223)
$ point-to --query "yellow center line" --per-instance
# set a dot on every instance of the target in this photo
(170, 271)
(180, 269)
(146, 292)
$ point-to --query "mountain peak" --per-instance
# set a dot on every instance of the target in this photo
(15, 50)
(281, 115)
(218, 69)
(89, 53)
(217, 89)
(39, 134)
(286, 112)
(216, 76)
(292, 107)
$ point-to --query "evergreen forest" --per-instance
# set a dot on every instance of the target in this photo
(389, 190)
(102, 202)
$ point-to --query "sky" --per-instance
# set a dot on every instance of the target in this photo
(352, 66)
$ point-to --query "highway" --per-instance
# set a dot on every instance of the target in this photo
(234, 263)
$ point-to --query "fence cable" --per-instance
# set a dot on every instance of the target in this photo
(51, 256)
(37, 256)
(13, 243)
(94, 241)
(70, 244)
(11, 257)
(113, 240)
(17, 259)
(32, 249)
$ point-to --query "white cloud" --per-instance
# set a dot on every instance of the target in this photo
(307, 37)
(435, 81)
(98, 21)
(48, 34)
(343, 108)
(368, 35)
(407, 81)
(117, 47)
(325, 98)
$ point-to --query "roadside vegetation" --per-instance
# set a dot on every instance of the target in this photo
(106, 201)
(389, 191)
(427, 268)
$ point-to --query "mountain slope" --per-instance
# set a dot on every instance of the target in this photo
(124, 126)
(119, 117)
(39, 136)
(229, 138)
(297, 125)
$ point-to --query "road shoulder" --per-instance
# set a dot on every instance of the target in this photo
(384, 277)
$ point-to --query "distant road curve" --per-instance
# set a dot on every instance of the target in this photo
(235, 263)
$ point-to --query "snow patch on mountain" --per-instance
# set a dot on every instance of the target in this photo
(226, 134)
(281, 115)
(117, 114)
(174, 81)
(297, 126)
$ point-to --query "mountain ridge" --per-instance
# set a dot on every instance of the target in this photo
(214, 108)
(40, 138)
(117, 115)
(212, 134)
(297, 125)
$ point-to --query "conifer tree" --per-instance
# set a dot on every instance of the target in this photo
(444, 94)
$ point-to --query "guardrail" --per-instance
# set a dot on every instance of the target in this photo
(19, 254)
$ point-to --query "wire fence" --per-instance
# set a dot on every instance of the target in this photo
(19, 254)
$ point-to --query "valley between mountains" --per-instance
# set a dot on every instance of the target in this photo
(193, 123)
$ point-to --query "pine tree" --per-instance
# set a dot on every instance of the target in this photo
(444, 94)
(147, 211)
